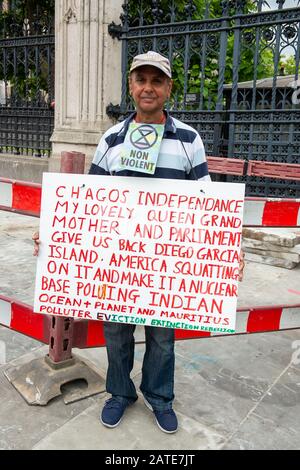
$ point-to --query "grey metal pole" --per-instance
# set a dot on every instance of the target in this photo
(62, 329)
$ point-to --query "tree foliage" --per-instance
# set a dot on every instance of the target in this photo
(202, 73)
(21, 18)
(288, 65)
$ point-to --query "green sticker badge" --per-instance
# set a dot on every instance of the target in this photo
(141, 147)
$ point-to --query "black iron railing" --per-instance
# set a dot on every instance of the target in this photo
(26, 79)
(235, 68)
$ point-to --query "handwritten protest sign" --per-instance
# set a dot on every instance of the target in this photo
(140, 250)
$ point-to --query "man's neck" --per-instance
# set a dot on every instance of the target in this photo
(157, 118)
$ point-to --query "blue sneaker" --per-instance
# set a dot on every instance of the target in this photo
(112, 412)
(166, 419)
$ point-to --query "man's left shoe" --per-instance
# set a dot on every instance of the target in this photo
(112, 413)
(166, 419)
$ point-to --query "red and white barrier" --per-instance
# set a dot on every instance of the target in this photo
(20, 196)
(20, 317)
(256, 320)
(89, 333)
(265, 212)
(25, 198)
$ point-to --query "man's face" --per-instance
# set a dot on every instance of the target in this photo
(150, 88)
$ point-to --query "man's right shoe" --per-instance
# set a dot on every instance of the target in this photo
(166, 420)
(112, 413)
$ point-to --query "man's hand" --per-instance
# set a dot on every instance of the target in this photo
(241, 265)
(36, 239)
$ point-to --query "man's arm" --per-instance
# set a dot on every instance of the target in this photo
(99, 164)
(198, 161)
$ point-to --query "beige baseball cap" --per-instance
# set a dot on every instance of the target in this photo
(154, 59)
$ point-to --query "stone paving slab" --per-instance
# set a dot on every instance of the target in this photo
(21, 425)
(278, 236)
(270, 259)
(272, 425)
(136, 431)
(252, 243)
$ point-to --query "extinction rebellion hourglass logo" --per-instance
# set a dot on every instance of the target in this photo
(144, 137)
(141, 147)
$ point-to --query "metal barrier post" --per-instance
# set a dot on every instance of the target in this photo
(61, 329)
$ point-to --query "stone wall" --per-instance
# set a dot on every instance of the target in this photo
(23, 167)
(87, 74)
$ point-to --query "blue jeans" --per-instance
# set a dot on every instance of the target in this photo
(157, 383)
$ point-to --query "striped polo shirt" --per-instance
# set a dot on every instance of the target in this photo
(181, 155)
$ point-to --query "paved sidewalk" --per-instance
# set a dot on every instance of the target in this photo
(238, 392)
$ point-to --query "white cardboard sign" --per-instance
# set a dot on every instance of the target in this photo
(144, 251)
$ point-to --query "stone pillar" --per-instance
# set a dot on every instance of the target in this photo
(87, 75)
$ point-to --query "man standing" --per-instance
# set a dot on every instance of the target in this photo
(181, 155)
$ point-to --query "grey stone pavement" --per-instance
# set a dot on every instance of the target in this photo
(235, 392)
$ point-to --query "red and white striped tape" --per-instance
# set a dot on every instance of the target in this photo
(261, 212)
(20, 317)
(20, 196)
(89, 333)
(256, 320)
(25, 198)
